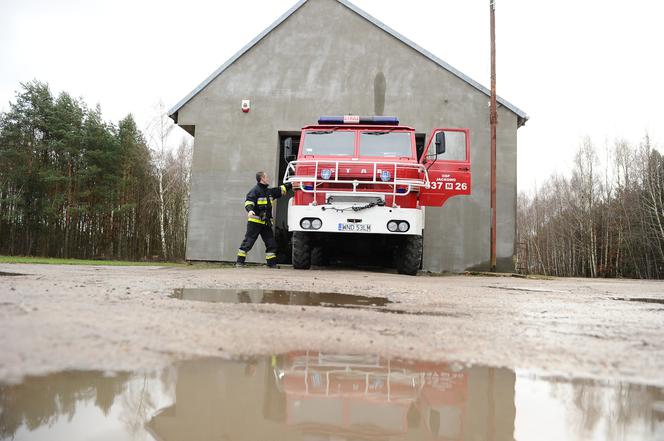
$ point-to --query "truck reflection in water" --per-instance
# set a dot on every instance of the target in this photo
(315, 396)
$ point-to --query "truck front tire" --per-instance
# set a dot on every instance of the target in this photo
(318, 257)
(301, 250)
(410, 255)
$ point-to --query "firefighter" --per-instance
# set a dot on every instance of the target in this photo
(259, 222)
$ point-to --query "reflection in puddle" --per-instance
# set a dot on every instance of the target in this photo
(304, 298)
(84, 405)
(315, 396)
(301, 298)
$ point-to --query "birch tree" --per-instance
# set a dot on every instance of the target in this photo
(159, 130)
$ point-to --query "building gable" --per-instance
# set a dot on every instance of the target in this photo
(522, 117)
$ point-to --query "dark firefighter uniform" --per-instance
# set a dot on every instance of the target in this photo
(259, 200)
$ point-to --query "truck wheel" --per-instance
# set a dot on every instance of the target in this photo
(318, 256)
(301, 250)
(410, 257)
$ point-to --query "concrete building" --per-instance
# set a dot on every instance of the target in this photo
(327, 57)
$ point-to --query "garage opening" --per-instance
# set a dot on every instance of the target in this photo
(281, 217)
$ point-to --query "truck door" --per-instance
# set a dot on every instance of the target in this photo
(447, 160)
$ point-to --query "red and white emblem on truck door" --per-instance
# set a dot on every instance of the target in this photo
(447, 160)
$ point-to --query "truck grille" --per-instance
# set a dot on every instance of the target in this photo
(353, 199)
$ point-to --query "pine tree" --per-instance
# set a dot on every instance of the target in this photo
(74, 185)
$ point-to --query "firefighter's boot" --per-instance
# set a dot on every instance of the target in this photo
(241, 257)
(271, 260)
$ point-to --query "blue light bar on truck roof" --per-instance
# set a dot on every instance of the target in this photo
(353, 119)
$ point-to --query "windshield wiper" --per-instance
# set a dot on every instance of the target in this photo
(320, 132)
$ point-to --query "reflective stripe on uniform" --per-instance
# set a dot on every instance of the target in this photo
(257, 221)
(283, 190)
(241, 253)
(262, 201)
(269, 256)
(246, 204)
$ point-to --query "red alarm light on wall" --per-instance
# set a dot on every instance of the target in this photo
(246, 106)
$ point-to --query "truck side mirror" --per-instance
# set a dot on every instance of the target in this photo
(440, 143)
(288, 150)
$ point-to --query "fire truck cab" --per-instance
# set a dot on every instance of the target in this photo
(363, 175)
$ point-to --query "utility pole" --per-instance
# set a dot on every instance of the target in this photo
(493, 119)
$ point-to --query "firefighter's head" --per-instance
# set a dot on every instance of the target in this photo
(262, 178)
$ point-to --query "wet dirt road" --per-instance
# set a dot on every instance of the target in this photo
(55, 318)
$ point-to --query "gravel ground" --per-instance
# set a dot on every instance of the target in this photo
(54, 318)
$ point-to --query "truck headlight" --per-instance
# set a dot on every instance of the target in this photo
(392, 226)
(316, 224)
(305, 223)
(403, 226)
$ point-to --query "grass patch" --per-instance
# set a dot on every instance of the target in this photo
(58, 261)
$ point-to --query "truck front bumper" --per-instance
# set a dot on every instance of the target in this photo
(340, 218)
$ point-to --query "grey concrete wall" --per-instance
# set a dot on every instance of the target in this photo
(325, 59)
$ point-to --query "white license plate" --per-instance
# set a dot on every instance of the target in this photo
(355, 228)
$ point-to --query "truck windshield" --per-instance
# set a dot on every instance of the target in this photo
(386, 144)
(329, 143)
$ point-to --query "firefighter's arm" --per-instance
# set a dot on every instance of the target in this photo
(250, 203)
(281, 190)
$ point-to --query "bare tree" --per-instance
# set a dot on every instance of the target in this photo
(602, 221)
(158, 134)
(173, 169)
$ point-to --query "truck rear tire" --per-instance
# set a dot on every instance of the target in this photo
(410, 258)
(301, 250)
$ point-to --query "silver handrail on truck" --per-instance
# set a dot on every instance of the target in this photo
(394, 182)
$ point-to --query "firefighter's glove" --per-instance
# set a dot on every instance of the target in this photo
(251, 213)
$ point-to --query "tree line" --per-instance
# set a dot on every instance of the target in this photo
(605, 220)
(75, 186)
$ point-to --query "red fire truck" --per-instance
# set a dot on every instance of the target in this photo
(363, 175)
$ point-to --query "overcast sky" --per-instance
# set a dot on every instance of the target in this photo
(591, 67)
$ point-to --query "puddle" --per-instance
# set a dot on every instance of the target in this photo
(518, 288)
(301, 298)
(315, 396)
(639, 299)
(6, 274)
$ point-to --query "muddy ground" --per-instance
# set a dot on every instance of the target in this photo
(122, 318)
